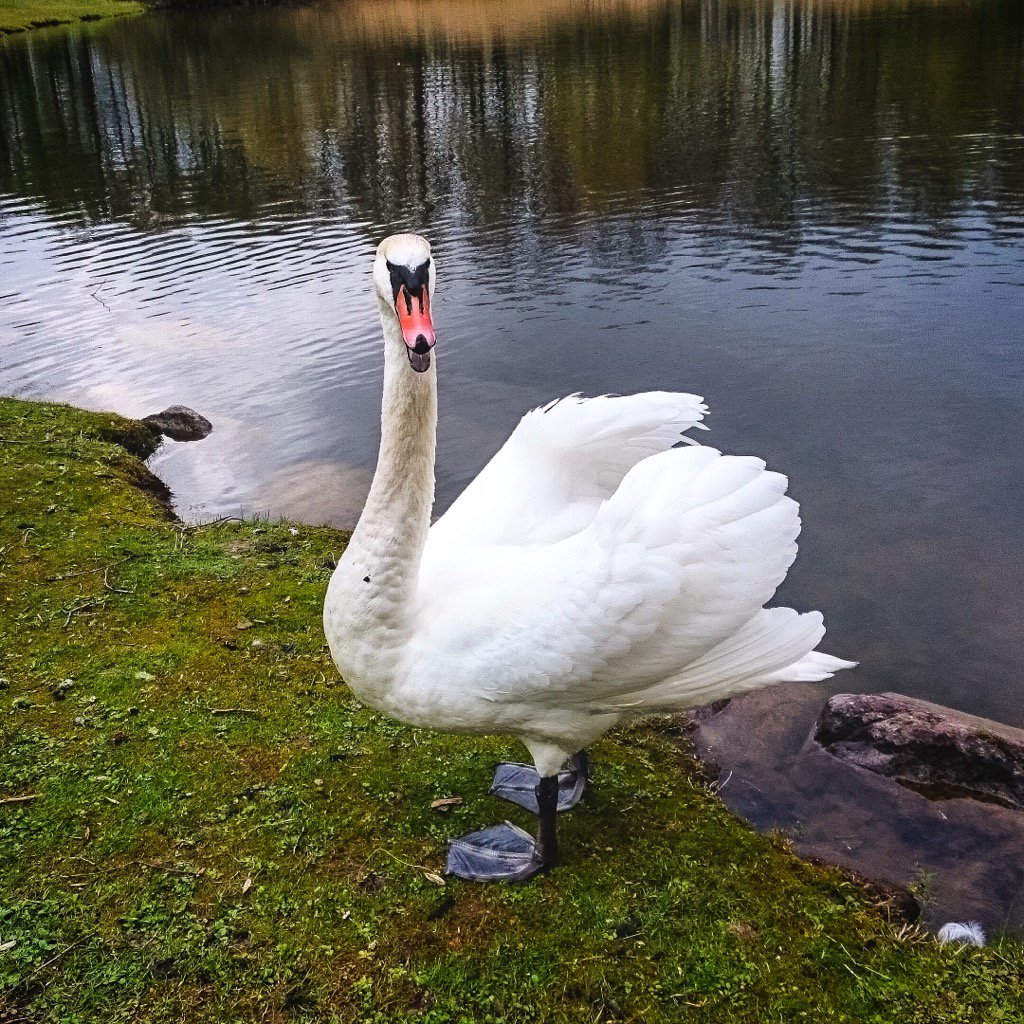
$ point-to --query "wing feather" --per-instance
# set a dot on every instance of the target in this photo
(560, 463)
(656, 601)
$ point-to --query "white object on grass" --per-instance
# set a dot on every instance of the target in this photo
(967, 933)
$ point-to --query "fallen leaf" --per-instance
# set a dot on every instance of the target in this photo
(446, 803)
(246, 885)
(434, 878)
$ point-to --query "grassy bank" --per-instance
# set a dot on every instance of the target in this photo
(19, 15)
(198, 822)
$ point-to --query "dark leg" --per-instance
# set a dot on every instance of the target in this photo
(505, 853)
(518, 783)
(548, 792)
(580, 762)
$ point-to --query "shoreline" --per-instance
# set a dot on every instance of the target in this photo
(193, 803)
(20, 16)
(17, 18)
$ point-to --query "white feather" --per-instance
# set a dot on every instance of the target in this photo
(562, 460)
(969, 933)
(656, 605)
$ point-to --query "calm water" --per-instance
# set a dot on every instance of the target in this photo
(810, 211)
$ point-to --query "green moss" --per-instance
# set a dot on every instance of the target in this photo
(220, 832)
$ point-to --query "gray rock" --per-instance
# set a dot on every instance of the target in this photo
(934, 749)
(180, 423)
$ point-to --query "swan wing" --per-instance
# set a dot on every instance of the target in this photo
(657, 604)
(558, 465)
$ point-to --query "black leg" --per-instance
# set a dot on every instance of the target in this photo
(505, 853)
(580, 762)
(518, 783)
(547, 828)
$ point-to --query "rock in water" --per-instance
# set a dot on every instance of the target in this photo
(180, 423)
(925, 746)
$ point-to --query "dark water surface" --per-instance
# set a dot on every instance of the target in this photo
(809, 211)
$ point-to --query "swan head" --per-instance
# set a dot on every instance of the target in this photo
(403, 274)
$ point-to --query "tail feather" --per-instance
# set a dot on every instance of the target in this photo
(811, 669)
(776, 645)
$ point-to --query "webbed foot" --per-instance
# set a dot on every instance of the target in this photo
(517, 783)
(501, 853)
(505, 853)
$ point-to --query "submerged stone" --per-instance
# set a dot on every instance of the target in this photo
(934, 749)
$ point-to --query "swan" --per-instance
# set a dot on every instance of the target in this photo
(595, 570)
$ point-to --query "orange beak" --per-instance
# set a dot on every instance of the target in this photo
(417, 326)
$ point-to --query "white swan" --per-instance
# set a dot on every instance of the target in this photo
(593, 572)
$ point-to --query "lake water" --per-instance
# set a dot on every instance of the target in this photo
(809, 211)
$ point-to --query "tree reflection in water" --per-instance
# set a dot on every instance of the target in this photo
(744, 114)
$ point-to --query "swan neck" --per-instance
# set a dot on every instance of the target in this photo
(392, 530)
